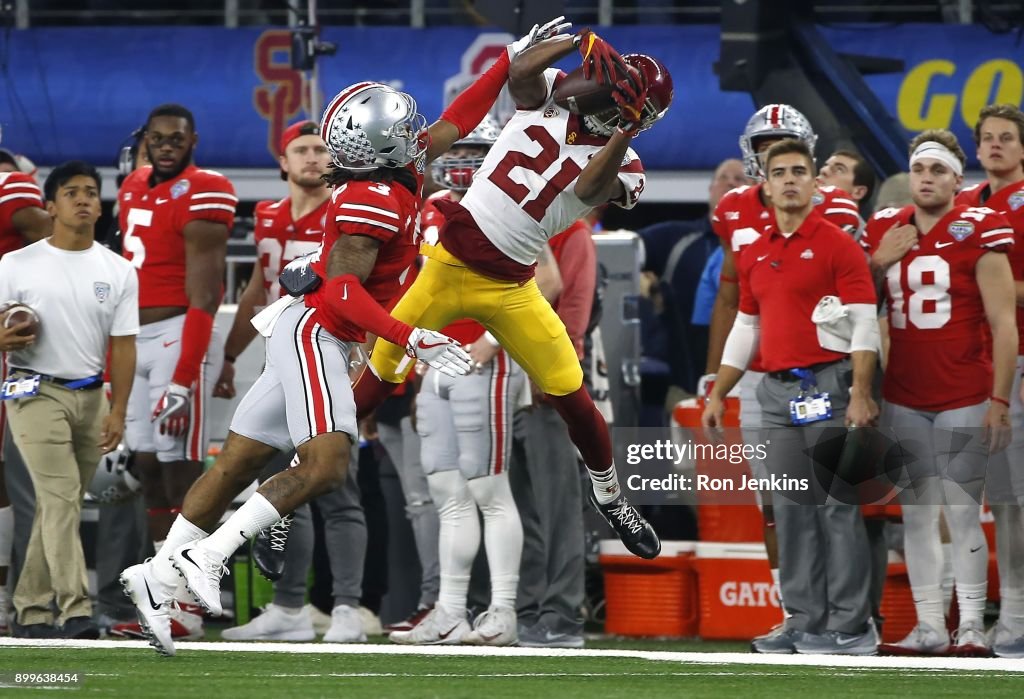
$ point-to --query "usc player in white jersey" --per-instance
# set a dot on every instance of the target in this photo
(548, 168)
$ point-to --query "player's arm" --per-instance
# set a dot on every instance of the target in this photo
(122, 374)
(348, 265)
(548, 276)
(723, 313)
(995, 282)
(242, 331)
(468, 109)
(526, 82)
(32, 223)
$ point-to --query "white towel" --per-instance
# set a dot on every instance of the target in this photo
(265, 320)
(834, 326)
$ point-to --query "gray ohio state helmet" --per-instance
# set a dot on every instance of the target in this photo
(456, 173)
(113, 481)
(773, 121)
(370, 125)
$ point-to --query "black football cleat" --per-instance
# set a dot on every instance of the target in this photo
(633, 530)
(268, 548)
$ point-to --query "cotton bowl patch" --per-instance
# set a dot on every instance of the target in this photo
(179, 188)
(961, 229)
(1016, 200)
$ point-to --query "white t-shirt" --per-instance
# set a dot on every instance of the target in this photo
(523, 193)
(82, 298)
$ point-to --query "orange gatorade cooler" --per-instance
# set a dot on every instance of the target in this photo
(650, 598)
(738, 600)
(720, 516)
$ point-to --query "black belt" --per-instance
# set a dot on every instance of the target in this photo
(89, 383)
(788, 376)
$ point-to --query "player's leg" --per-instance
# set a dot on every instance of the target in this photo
(1005, 494)
(482, 407)
(920, 500)
(962, 467)
(312, 368)
(433, 301)
(531, 332)
(459, 535)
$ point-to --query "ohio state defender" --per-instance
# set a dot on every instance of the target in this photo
(175, 219)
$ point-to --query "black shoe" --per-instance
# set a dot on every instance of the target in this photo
(34, 631)
(80, 627)
(632, 529)
(268, 548)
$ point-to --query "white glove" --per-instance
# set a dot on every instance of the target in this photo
(538, 34)
(172, 410)
(439, 351)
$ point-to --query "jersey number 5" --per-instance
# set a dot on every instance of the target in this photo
(567, 172)
(137, 218)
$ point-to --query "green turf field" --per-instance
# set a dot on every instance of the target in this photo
(136, 672)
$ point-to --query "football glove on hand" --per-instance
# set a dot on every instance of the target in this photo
(598, 57)
(539, 33)
(439, 351)
(705, 384)
(630, 94)
(172, 410)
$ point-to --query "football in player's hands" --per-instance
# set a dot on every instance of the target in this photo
(582, 95)
(13, 313)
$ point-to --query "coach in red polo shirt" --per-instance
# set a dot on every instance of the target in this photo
(809, 396)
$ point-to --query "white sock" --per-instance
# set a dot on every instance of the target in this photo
(1011, 609)
(6, 531)
(606, 484)
(948, 579)
(182, 531)
(459, 538)
(255, 514)
(970, 560)
(503, 536)
(928, 603)
(971, 599)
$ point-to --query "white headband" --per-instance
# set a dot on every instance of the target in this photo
(937, 151)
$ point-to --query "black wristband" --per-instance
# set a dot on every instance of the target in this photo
(229, 358)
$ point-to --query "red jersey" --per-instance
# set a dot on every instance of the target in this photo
(279, 239)
(17, 191)
(153, 219)
(388, 213)
(741, 217)
(938, 359)
(782, 279)
(464, 330)
(1009, 201)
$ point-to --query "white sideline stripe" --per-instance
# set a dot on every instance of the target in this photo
(826, 661)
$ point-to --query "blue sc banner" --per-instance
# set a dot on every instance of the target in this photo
(79, 92)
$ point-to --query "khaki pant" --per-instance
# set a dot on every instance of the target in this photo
(58, 434)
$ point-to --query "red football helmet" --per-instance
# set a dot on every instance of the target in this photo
(659, 96)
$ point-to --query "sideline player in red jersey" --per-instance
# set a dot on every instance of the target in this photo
(946, 276)
(303, 399)
(22, 220)
(175, 219)
(999, 136)
(739, 219)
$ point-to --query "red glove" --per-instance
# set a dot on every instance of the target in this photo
(598, 56)
(172, 411)
(630, 94)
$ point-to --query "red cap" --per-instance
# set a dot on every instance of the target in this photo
(301, 128)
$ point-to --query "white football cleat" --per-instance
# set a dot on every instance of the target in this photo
(202, 570)
(495, 627)
(152, 606)
(924, 639)
(346, 626)
(438, 628)
(274, 624)
(971, 642)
